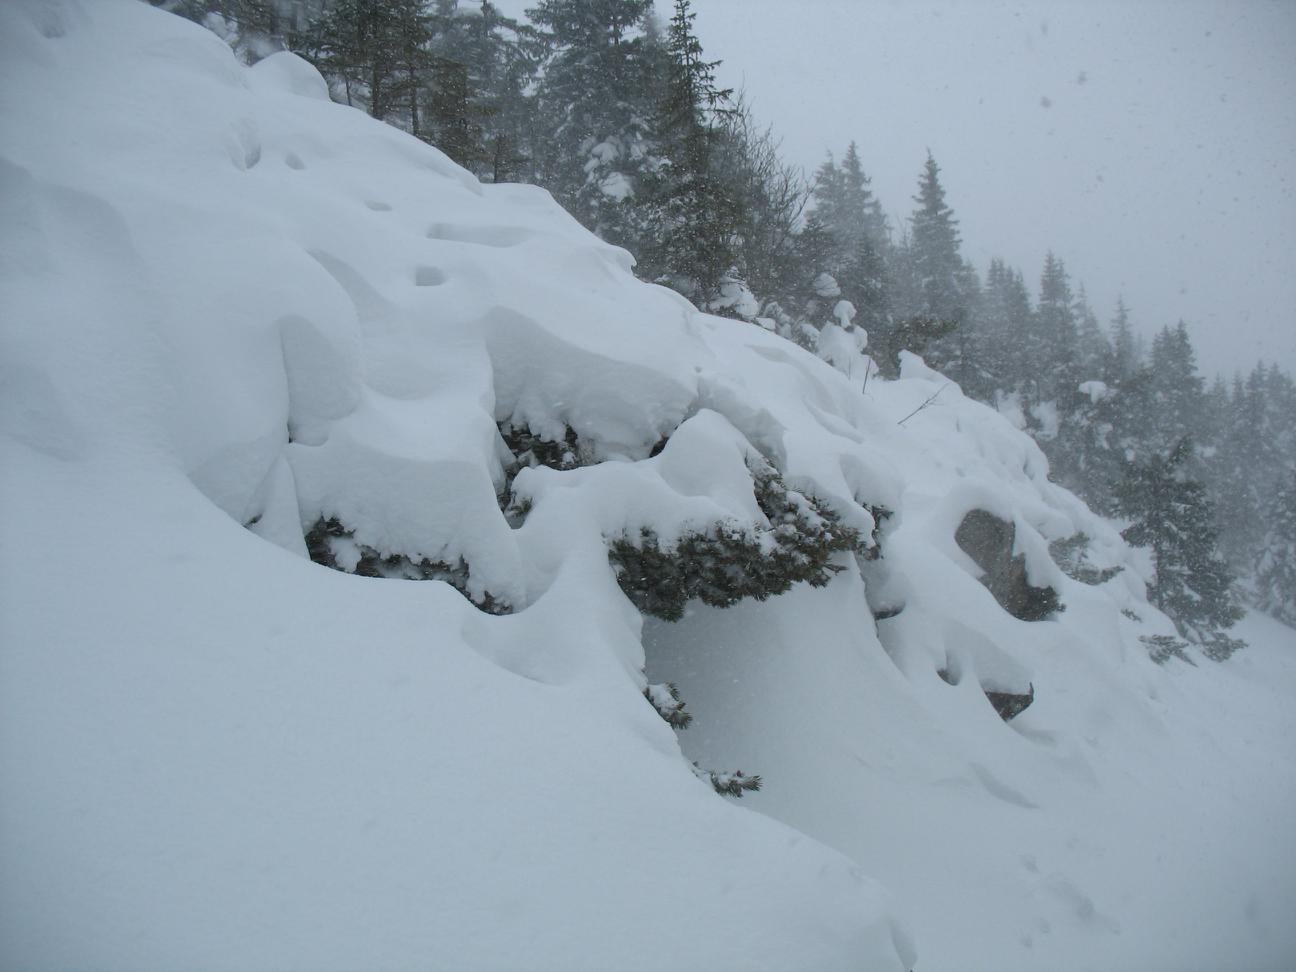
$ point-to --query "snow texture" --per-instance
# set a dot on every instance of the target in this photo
(234, 308)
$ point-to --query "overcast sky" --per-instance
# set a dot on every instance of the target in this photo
(1150, 144)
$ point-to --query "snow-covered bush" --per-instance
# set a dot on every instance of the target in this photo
(664, 697)
(1072, 555)
(728, 561)
(1161, 648)
(331, 544)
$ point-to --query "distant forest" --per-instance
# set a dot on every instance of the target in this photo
(617, 113)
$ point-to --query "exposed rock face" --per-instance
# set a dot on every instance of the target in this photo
(989, 540)
(1010, 704)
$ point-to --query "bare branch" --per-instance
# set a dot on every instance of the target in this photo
(924, 404)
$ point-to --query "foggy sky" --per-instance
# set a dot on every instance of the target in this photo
(1151, 144)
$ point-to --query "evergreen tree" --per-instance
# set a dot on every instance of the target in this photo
(595, 102)
(694, 205)
(845, 208)
(452, 121)
(1124, 361)
(253, 28)
(1093, 351)
(474, 83)
(1005, 317)
(848, 219)
(929, 278)
(375, 50)
(1053, 350)
(506, 55)
(936, 250)
(1275, 565)
(1171, 514)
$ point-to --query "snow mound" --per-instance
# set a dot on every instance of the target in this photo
(246, 329)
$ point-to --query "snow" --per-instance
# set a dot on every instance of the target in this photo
(1096, 390)
(736, 296)
(234, 308)
(1047, 419)
(617, 186)
(825, 285)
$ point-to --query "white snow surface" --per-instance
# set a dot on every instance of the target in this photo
(232, 307)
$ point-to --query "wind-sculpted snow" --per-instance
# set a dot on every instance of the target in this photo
(240, 317)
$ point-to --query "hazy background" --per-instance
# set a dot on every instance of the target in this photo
(1150, 144)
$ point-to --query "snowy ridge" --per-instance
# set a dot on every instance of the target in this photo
(235, 311)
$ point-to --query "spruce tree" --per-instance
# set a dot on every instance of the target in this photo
(1053, 349)
(1124, 361)
(595, 101)
(1177, 390)
(693, 207)
(1005, 317)
(1275, 564)
(849, 218)
(929, 278)
(1093, 350)
(1171, 514)
(376, 50)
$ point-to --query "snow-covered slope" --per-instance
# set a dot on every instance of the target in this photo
(236, 313)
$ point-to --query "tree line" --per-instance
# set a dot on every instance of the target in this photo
(618, 114)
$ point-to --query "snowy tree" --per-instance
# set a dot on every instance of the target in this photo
(480, 64)
(845, 207)
(1093, 350)
(1125, 354)
(1275, 566)
(855, 244)
(932, 300)
(253, 28)
(1005, 317)
(1171, 515)
(376, 51)
(1177, 390)
(596, 98)
(1053, 349)
(693, 206)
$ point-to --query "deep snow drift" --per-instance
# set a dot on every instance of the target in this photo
(235, 311)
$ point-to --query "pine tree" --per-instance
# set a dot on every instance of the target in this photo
(1124, 361)
(1053, 349)
(595, 102)
(1171, 514)
(693, 205)
(845, 208)
(851, 217)
(1275, 565)
(253, 28)
(375, 49)
(1093, 351)
(506, 55)
(1177, 390)
(929, 278)
(1006, 318)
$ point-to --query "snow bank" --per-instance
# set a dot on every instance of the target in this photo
(229, 304)
(236, 311)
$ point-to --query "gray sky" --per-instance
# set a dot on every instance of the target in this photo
(1150, 144)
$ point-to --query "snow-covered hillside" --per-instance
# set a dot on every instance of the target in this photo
(245, 327)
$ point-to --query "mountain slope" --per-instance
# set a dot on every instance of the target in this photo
(246, 328)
